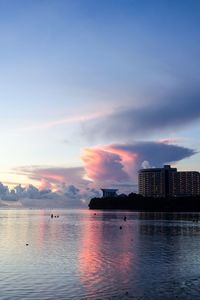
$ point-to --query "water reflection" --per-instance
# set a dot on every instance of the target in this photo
(169, 243)
(106, 258)
(170, 223)
(169, 216)
(83, 255)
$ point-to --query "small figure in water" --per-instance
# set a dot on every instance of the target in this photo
(125, 219)
(51, 215)
(120, 227)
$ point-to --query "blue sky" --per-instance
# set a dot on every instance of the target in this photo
(69, 68)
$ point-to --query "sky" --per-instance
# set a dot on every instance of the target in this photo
(91, 91)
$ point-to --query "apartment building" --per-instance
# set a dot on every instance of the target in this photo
(167, 181)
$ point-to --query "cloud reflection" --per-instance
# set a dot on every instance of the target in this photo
(105, 248)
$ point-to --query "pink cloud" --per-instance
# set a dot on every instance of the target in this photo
(45, 184)
(107, 166)
(67, 120)
(117, 164)
(128, 158)
(54, 177)
(103, 165)
(170, 140)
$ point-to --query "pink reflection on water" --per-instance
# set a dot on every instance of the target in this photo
(105, 254)
(88, 263)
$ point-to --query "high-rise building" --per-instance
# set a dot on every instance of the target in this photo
(185, 183)
(166, 181)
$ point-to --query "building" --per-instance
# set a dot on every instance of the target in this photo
(109, 193)
(185, 183)
(155, 182)
(167, 181)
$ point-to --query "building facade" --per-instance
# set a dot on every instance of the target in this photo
(168, 182)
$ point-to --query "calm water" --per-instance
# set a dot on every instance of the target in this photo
(81, 255)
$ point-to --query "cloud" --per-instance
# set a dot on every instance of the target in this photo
(113, 165)
(118, 164)
(156, 153)
(19, 192)
(30, 196)
(58, 187)
(53, 177)
(101, 165)
(172, 111)
(67, 120)
(76, 197)
(145, 164)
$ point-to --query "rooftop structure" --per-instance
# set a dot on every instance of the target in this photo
(109, 193)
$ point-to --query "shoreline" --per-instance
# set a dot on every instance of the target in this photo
(135, 202)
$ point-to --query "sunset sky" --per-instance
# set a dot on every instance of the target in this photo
(91, 91)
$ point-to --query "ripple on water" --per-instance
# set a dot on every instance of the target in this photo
(85, 256)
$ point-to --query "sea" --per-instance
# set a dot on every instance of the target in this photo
(88, 254)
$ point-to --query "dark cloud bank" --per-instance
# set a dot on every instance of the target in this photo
(173, 111)
(156, 153)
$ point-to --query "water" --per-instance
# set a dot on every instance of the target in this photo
(81, 255)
